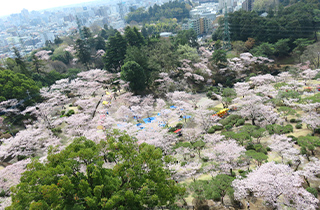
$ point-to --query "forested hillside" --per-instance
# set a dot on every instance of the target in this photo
(130, 120)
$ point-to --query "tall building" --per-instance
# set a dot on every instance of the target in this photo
(247, 5)
(199, 25)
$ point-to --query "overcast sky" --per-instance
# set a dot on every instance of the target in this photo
(8, 7)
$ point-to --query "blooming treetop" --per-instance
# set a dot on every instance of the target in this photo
(278, 185)
(285, 149)
(226, 153)
(262, 79)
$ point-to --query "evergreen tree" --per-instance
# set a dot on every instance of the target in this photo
(83, 52)
(115, 53)
(20, 62)
(144, 32)
(134, 73)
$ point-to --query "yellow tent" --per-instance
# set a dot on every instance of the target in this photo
(105, 102)
(100, 127)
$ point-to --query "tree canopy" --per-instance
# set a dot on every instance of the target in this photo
(76, 178)
(16, 85)
(172, 9)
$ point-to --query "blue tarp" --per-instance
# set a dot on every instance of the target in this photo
(149, 120)
(188, 116)
(173, 107)
(138, 124)
(162, 125)
(159, 114)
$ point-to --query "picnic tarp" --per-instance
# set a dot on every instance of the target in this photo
(149, 120)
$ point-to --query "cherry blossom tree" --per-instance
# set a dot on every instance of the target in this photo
(226, 153)
(312, 119)
(242, 89)
(262, 79)
(27, 143)
(253, 108)
(204, 119)
(43, 54)
(310, 170)
(308, 74)
(278, 185)
(10, 175)
(285, 149)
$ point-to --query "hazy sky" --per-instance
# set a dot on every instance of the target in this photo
(15, 6)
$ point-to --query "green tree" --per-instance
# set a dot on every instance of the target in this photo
(16, 85)
(215, 189)
(83, 52)
(282, 47)
(184, 37)
(162, 55)
(308, 144)
(144, 32)
(265, 49)
(58, 40)
(115, 53)
(75, 178)
(132, 72)
(139, 55)
(239, 47)
(133, 37)
(37, 64)
(301, 45)
(187, 52)
(228, 94)
(100, 44)
(63, 56)
(258, 157)
(20, 62)
(219, 57)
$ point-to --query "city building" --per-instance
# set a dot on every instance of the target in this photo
(247, 5)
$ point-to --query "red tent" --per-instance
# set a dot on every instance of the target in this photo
(177, 131)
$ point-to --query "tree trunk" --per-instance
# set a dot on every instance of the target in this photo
(306, 181)
(297, 166)
(253, 123)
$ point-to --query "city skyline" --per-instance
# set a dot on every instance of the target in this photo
(16, 6)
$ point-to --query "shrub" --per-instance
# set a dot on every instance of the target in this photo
(70, 112)
(21, 157)
(240, 122)
(250, 147)
(293, 120)
(179, 126)
(172, 129)
(217, 127)
(268, 149)
(293, 138)
(63, 112)
(313, 191)
(211, 130)
(216, 196)
(183, 163)
(298, 126)
(205, 159)
(56, 131)
(2, 193)
(229, 126)
(287, 129)
(241, 171)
